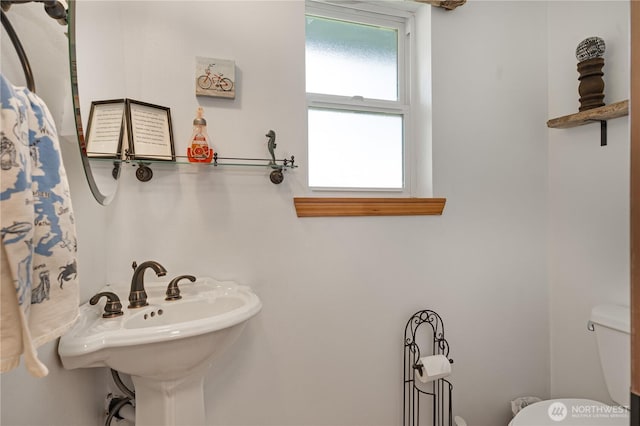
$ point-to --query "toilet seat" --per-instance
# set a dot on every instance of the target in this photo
(571, 412)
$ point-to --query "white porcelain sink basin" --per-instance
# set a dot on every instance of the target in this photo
(207, 307)
(176, 314)
(165, 346)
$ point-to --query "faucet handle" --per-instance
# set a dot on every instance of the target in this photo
(173, 292)
(113, 307)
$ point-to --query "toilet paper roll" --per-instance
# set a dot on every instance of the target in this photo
(434, 367)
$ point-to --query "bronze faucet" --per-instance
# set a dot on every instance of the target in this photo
(113, 307)
(173, 291)
(138, 296)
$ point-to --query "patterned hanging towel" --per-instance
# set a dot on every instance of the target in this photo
(39, 296)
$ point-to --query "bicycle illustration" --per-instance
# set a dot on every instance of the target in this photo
(214, 81)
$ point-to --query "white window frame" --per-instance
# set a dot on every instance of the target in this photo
(375, 14)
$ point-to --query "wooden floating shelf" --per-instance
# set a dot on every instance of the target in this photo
(603, 113)
(445, 4)
(324, 207)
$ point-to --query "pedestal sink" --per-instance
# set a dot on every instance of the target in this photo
(166, 346)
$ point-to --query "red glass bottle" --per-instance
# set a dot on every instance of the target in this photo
(200, 149)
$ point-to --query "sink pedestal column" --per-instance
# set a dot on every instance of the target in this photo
(170, 402)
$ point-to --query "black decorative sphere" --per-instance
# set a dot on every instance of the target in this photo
(589, 48)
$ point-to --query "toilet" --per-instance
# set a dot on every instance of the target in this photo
(611, 324)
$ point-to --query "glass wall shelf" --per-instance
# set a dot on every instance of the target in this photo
(144, 172)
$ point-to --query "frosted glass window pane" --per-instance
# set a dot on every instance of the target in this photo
(349, 59)
(355, 150)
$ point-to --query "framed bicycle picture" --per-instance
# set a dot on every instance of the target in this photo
(215, 77)
(149, 131)
(106, 129)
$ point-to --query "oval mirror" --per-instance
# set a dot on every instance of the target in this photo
(97, 73)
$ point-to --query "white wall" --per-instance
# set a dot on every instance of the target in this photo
(337, 292)
(490, 161)
(588, 195)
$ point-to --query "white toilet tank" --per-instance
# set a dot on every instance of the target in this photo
(611, 324)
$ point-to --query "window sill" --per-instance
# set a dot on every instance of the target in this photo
(330, 207)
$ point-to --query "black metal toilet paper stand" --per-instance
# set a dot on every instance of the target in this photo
(433, 399)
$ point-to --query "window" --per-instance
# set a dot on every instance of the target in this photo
(357, 63)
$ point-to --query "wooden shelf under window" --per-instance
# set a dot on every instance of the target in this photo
(325, 207)
(603, 113)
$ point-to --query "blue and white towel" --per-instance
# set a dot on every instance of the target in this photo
(39, 294)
